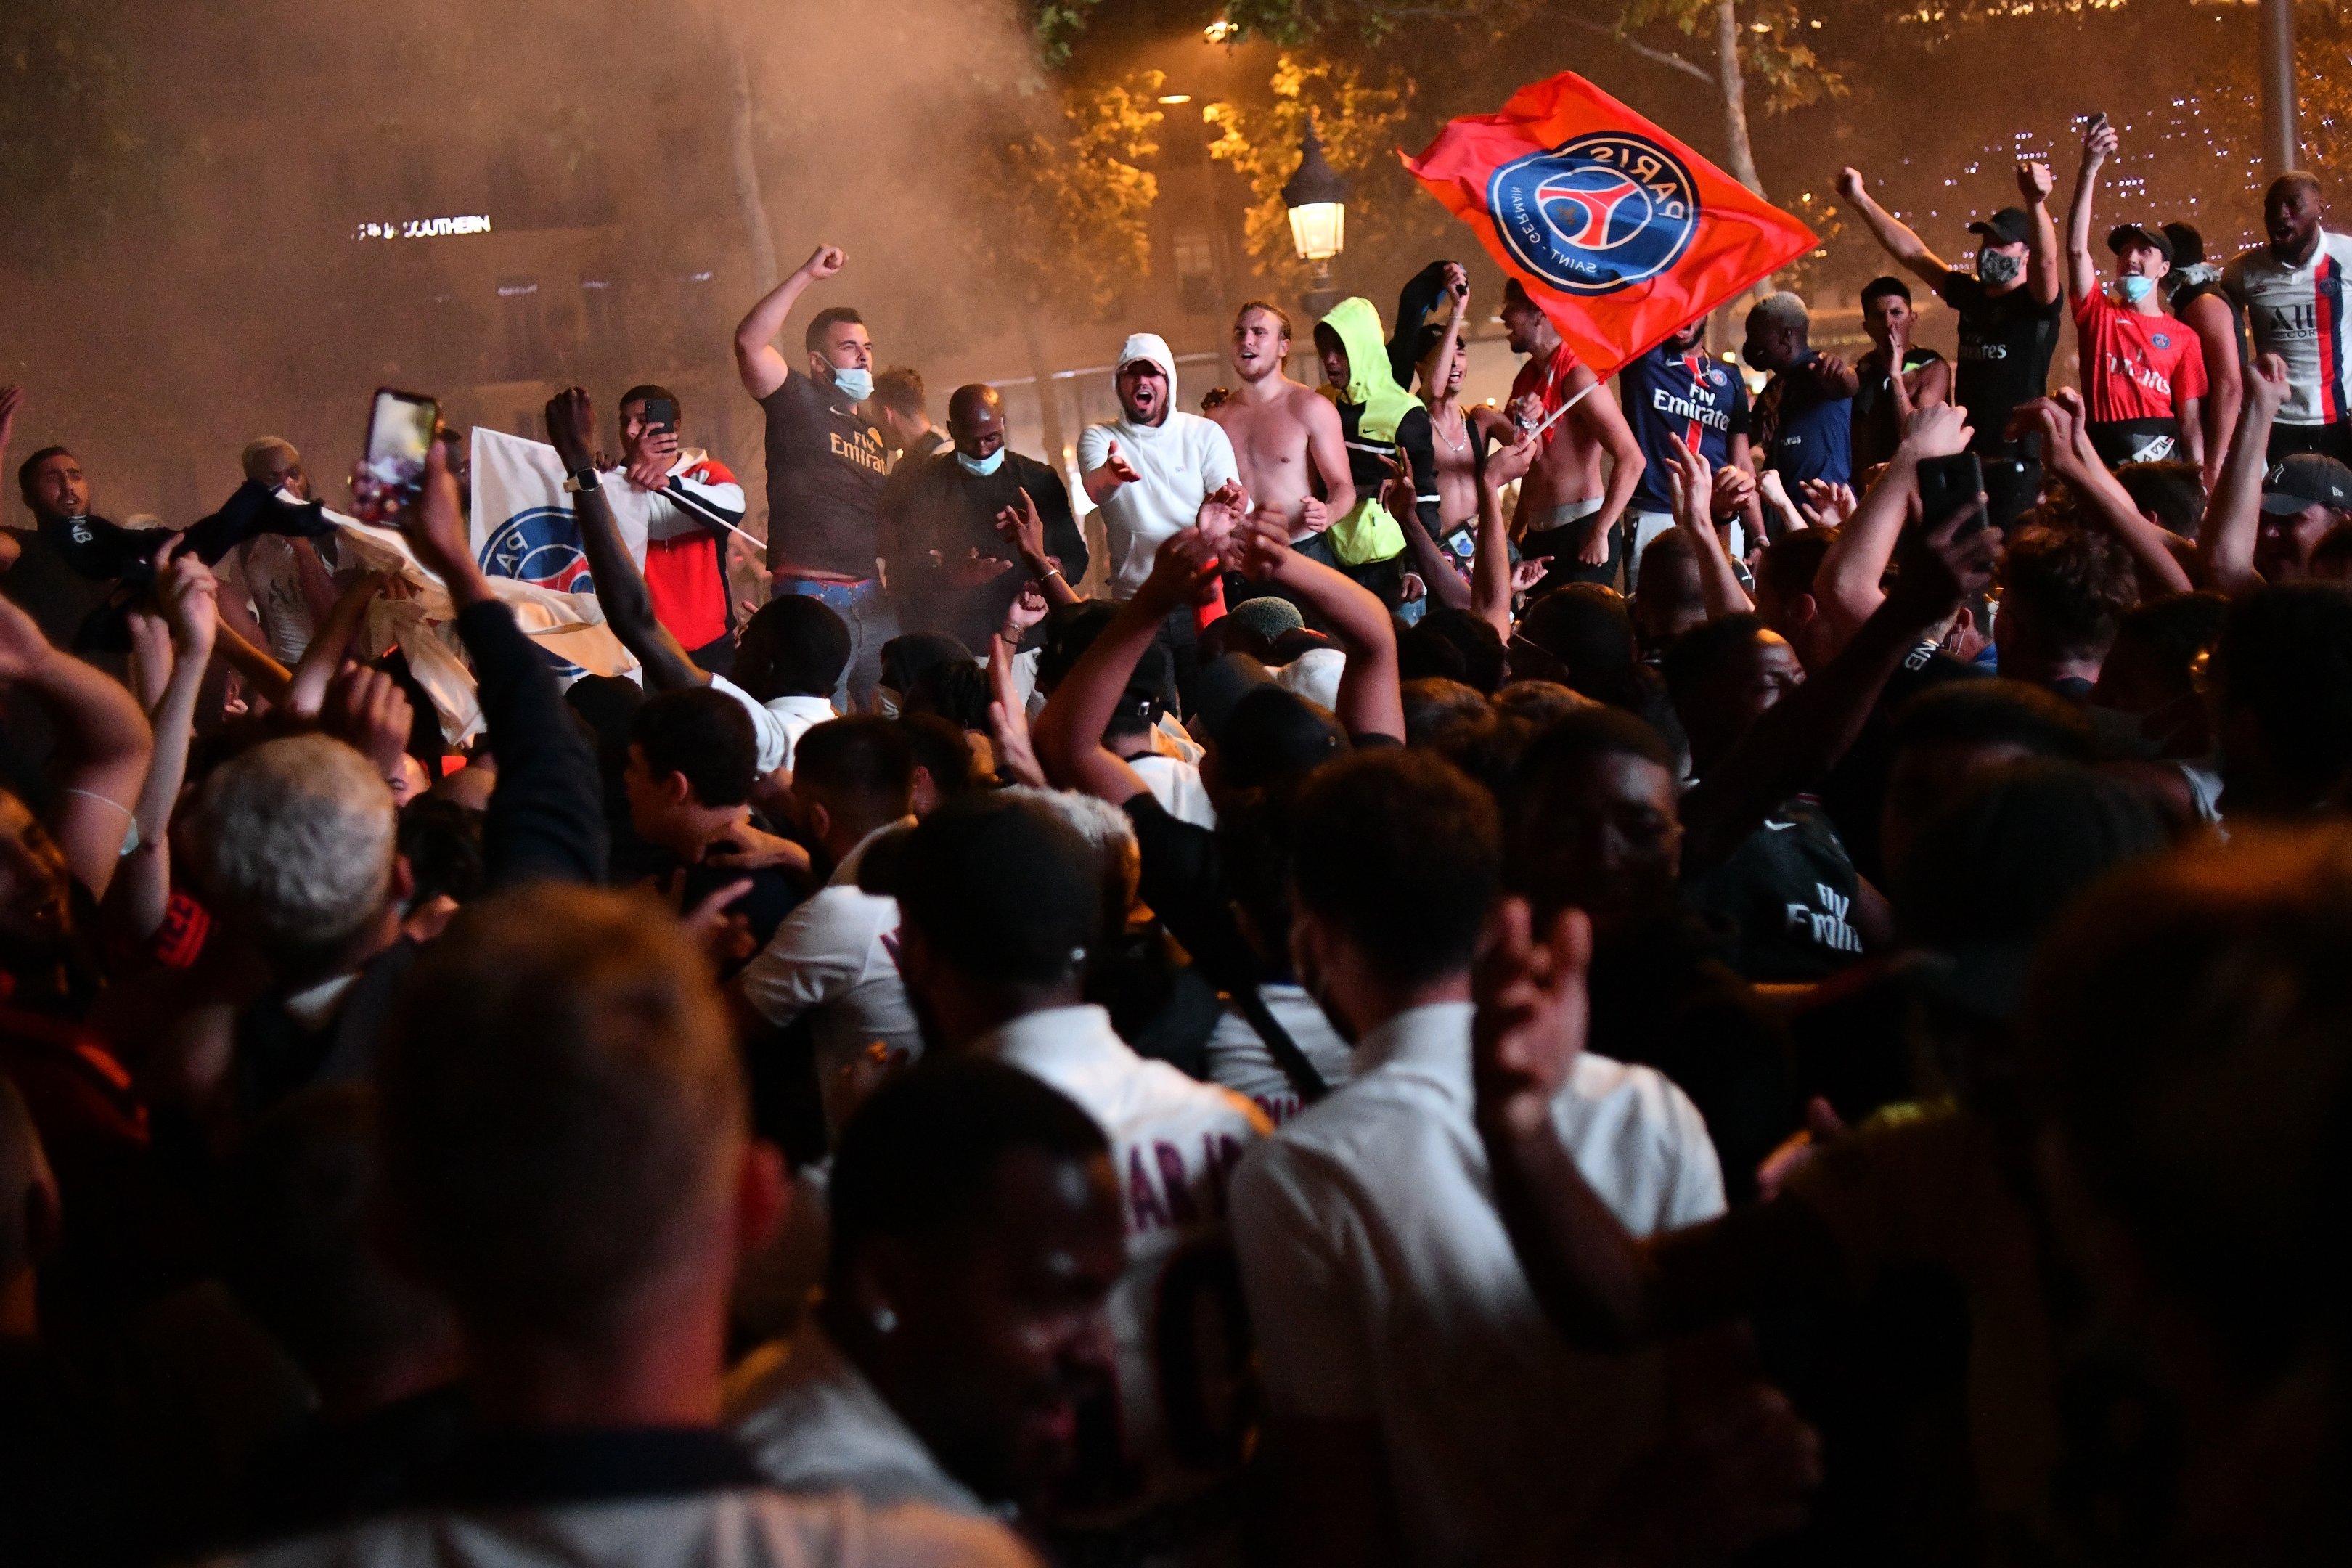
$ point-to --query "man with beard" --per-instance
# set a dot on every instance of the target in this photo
(2292, 291)
(825, 462)
(1148, 470)
(1287, 441)
(71, 562)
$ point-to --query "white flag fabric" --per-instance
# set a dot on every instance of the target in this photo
(569, 626)
(524, 526)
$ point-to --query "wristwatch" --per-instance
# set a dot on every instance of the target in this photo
(582, 480)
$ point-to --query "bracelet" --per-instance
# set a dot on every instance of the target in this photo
(1051, 571)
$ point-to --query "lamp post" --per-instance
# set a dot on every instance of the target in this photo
(1317, 199)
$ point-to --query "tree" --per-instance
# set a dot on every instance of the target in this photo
(1357, 119)
(1069, 209)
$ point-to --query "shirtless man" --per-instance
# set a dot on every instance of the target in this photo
(1444, 358)
(1565, 510)
(1286, 438)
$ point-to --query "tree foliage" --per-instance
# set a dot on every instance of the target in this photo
(1357, 114)
(1072, 200)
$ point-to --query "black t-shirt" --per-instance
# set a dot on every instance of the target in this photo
(2006, 341)
(825, 471)
(1875, 432)
(932, 504)
(1789, 891)
(1857, 786)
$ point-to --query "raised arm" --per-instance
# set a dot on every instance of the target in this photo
(1801, 736)
(2067, 451)
(2225, 388)
(1067, 735)
(1847, 585)
(621, 589)
(1420, 294)
(757, 363)
(1022, 527)
(1446, 584)
(2034, 183)
(316, 668)
(188, 593)
(103, 746)
(1694, 487)
(546, 816)
(1894, 235)
(1490, 567)
(2081, 270)
(1370, 699)
(2225, 539)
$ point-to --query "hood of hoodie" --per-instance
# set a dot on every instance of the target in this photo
(1385, 404)
(1153, 347)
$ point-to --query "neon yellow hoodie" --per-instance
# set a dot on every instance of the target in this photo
(1367, 533)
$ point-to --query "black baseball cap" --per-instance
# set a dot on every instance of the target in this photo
(2188, 245)
(2155, 239)
(2308, 479)
(1220, 686)
(2010, 226)
(1273, 734)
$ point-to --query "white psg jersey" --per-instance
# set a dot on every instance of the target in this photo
(1153, 1459)
(2297, 313)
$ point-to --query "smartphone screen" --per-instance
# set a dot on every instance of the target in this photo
(400, 434)
(1949, 484)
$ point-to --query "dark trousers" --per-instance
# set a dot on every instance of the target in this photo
(2327, 441)
(1560, 544)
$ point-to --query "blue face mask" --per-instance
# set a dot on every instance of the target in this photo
(2136, 288)
(980, 467)
(855, 384)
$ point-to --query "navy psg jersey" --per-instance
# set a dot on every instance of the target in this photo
(1686, 395)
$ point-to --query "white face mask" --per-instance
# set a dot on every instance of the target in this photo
(853, 383)
(980, 467)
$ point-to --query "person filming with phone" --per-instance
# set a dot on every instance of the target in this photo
(686, 542)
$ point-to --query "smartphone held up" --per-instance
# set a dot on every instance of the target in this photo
(401, 430)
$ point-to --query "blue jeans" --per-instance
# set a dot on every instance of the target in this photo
(871, 621)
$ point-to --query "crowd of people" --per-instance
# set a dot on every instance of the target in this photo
(1629, 979)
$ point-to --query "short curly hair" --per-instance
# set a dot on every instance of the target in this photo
(2071, 585)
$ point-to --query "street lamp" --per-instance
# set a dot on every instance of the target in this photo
(1317, 199)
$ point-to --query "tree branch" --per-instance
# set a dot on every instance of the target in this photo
(1662, 57)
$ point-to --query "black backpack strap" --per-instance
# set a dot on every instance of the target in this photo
(1284, 1050)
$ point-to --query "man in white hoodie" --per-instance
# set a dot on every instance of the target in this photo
(1150, 469)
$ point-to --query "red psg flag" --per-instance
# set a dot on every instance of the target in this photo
(1619, 231)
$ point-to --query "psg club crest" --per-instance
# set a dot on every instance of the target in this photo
(1597, 213)
(541, 546)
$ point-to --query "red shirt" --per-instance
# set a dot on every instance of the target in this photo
(1546, 379)
(2136, 366)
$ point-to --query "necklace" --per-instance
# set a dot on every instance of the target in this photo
(1463, 444)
